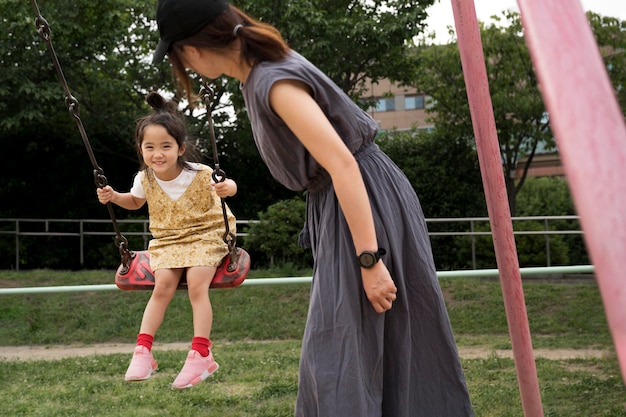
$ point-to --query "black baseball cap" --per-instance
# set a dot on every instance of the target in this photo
(179, 19)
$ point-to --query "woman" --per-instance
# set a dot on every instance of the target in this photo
(378, 340)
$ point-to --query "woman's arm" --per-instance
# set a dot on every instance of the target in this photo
(292, 101)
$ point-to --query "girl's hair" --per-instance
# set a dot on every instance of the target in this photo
(165, 113)
(259, 42)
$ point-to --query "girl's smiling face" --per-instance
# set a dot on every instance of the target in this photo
(161, 152)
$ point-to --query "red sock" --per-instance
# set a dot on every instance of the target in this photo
(145, 339)
(201, 345)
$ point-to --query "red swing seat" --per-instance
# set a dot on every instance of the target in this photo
(139, 276)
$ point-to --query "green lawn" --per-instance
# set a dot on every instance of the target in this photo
(257, 332)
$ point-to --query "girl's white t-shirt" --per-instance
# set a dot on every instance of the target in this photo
(174, 188)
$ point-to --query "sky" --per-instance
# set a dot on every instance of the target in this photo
(440, 14)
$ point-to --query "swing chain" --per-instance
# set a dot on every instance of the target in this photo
(218, 175)
(43, 29)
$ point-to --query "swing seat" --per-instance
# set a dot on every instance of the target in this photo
(139, 276)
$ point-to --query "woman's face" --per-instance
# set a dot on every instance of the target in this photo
(202, 61)
(215, 63)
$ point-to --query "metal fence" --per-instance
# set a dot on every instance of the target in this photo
(472, 227)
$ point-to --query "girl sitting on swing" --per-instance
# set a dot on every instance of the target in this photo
(187, 223)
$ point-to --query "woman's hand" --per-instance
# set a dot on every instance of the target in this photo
(379, 287)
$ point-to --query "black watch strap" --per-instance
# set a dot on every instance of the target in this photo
(367, 259)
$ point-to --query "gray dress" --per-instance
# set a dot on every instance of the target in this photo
(354, 361)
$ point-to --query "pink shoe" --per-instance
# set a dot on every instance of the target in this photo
(195, 370)
(141, 366)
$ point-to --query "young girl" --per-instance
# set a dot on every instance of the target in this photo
(187, 223)
(378, 340)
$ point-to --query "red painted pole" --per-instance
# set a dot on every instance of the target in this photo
(481, 109)
(590, 131)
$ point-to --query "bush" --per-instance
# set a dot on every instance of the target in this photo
(550, 196)
(445, 174)
(531, 248)
(275, 236)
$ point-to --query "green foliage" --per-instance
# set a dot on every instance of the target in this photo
(550, 196)
(275, 236)
(532, 247)
(104, 50)
(352, 42)
(545, 196)
(520, 116)
(99, 48)
(444, 171)
(521, 120)
(445, 174)
(610, 34)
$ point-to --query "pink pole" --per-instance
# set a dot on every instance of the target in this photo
(481, 109)
(590, 131)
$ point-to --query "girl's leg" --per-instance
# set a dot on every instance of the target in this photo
(198, 282)
(143, 364)
(200, 363)
(165, 284)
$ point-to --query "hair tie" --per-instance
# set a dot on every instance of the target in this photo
(236, 29)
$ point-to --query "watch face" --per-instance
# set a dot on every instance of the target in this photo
(367, 260)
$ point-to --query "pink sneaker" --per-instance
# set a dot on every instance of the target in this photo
(141, 366)
(195, 370)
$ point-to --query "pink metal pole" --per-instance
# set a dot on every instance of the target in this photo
(481, 109)
(590, 131)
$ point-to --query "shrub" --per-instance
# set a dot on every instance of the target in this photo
(275, 236)
(531, 248)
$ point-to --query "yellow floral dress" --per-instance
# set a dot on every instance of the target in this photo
(189, 231)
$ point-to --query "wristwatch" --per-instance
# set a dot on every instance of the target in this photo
(367, 259)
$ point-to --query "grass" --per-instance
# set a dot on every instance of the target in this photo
(257, 331)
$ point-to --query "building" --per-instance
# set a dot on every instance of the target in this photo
(402, 108)
(399, 108)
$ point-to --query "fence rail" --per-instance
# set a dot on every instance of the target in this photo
(472, 227)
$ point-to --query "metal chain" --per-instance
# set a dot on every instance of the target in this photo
(218, 175)
(43, 29)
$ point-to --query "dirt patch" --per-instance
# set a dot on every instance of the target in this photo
(12, 353)
(551, 354)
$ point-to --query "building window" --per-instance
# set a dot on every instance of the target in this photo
(413, 102)
(385, 104)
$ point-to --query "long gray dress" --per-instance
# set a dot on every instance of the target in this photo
(356, 362)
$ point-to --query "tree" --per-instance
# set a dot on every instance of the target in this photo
(610, 34)
(445, 174)
(351, 41)
(521, 119)
(275, 236)
(99, 46)
(104, 49)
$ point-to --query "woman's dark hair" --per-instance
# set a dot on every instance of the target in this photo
(165, 113)
(259, 42)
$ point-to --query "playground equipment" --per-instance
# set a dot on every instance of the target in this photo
(591, 135)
